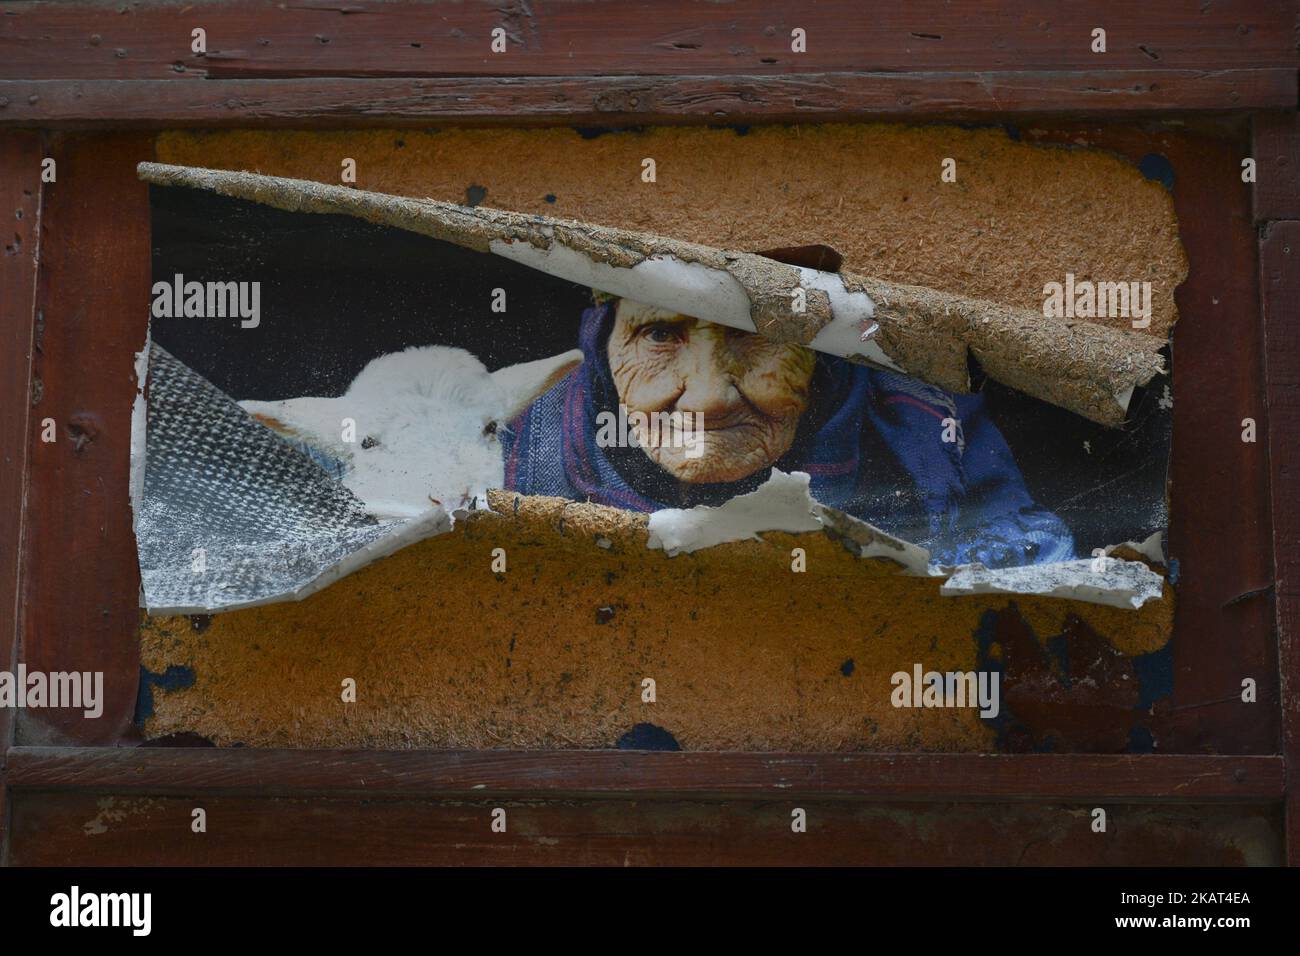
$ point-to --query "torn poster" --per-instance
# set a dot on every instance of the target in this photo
(231, 515)
(658, 377)
(932, 335)
(783, 503)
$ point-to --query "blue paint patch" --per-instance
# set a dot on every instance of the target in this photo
(847, 667)
(1140, 740)
(1013, 132)
(1157, 167)
(986, 633)
(549, 197)
(592, 132)
(647, 737)
(740, 129)
(1057, 650)
(1173, 570)
(475, 194)
(176, 677)
(1155, 676)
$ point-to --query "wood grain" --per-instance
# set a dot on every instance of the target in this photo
(1275, 147)
(1280, 283)
(80, 592)
(115, 829)
(634, 773)
(20, 209)
(261, 38)
(1218, 485)
(634, 100)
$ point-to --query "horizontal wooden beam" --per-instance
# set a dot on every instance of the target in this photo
(615, 101)
(86, 828)
(152, 39)
(1060, 777)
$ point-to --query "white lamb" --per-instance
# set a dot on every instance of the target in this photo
(424, 426)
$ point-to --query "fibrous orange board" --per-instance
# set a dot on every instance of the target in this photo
(553, 652)
(1017, 217)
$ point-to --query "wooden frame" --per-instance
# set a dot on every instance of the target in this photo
(77, 270)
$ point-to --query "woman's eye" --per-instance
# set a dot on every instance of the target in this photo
(661, 334)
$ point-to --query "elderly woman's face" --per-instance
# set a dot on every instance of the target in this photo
(747, 391)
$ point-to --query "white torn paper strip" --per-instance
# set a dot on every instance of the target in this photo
(1151, 547)
(1126, 584)
(783, 503)
(693, 288)
(139, 417)
(867, 541)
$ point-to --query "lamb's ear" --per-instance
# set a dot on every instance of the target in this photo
(312, 421)
(525, 382)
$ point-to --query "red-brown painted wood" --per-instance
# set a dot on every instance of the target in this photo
(20, 209)
(134, 829)
(634, 100)
(1280, 282)
(584, 772)
(81, 587)
(1219, 528)
(262, 38)
(1276, 150)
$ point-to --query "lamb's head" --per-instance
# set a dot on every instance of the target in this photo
(427, 424)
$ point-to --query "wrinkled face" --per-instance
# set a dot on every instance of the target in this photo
(747, 392)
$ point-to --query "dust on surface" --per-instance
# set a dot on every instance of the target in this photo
(114, 810)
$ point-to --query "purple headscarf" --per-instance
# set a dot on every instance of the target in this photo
(870, 440)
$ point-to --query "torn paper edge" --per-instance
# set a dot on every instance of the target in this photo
(434, 522)
(667, 280)
(784, 503)
(139, 440)
(1117, 583)
(1151, 547)
(867, 541)
(1015, 346)
(692, 288)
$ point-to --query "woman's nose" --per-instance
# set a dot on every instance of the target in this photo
(708, 389)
